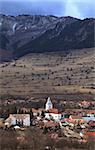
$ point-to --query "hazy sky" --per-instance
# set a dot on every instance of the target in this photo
(75, 8)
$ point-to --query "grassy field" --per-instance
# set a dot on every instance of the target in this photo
(49, 73)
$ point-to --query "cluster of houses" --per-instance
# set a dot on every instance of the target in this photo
(49, 117)
(24, 119)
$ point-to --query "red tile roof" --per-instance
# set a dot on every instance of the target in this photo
(53, 110)
(91, 123)
(75, 117)
(91, 133)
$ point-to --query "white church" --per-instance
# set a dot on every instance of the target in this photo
(48, 104)
(51, 113)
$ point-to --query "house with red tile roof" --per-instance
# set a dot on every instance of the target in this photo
(53, 114)
(75, 118)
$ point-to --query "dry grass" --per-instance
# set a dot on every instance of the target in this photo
(49, 73)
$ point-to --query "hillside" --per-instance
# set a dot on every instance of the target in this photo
(5, 55)
(26, 34)
(49, 73)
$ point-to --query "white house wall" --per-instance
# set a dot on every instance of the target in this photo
(13, 121)
(54, 116)
(26, 121)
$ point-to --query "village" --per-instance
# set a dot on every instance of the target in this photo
(75, 124)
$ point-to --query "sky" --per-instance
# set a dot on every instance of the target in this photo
(75, 8)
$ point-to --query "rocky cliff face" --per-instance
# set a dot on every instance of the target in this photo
(24, 34)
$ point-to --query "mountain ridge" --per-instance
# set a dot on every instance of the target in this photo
(25, 34)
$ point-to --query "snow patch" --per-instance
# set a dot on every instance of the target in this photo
(25, 28)
(14, 26)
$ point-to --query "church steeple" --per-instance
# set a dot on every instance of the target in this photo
(49, 104)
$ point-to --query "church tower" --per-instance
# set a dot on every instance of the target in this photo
(48, 104)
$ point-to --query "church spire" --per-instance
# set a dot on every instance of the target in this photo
(49, 104)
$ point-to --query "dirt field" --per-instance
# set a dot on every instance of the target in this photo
(49, 73)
